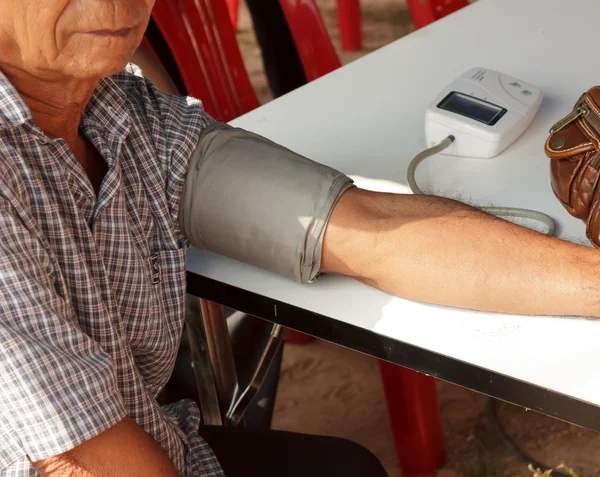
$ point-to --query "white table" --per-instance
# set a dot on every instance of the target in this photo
(366, 119)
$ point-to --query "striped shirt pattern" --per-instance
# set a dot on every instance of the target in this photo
(92, 287)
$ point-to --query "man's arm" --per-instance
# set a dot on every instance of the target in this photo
(124, 450)
(59, 402)
(441, 251)
(249, 199)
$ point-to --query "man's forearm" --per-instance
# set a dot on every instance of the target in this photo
(440, 251)
(124, 450)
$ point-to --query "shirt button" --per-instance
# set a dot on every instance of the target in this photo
(42, 140)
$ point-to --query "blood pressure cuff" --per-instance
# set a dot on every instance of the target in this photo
(250, 199)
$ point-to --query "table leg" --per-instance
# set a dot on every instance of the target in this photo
(414, 418)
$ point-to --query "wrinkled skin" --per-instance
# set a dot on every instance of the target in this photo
(71, 38)
(54, 52)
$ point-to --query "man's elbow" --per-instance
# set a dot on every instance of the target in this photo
(352, 244)
(63, 465)
(124, 450)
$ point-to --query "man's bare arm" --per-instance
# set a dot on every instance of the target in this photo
(124, 450)
(441, 251)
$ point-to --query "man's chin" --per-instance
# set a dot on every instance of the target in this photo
(101, 66)
(98, 55)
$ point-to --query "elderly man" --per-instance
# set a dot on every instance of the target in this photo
(104, 182)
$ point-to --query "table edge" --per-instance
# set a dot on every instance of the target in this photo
(484, 381)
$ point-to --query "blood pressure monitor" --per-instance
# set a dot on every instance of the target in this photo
(484, 110)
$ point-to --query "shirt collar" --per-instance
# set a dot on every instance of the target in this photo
(13, 110)
(107, 107)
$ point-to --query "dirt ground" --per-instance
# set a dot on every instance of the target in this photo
(329, 390)
(325, 389)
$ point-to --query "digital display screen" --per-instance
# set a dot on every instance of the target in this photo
(473, 108)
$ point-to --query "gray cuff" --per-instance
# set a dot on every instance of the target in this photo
(250, 199)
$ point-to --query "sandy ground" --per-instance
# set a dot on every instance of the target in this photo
(326, 389)
(329, 390)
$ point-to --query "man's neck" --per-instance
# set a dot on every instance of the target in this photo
(55, 104)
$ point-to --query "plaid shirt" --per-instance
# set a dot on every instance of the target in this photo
(92, 288)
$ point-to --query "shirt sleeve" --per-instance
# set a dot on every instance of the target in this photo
(57, 387)
(175, 123)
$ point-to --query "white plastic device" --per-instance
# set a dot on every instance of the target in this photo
(484, 110)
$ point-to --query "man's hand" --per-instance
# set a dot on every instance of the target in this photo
(441, 251)
(124, 450)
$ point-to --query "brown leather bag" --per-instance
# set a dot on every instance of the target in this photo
(574, 151)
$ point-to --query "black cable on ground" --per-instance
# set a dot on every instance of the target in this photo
(492, 413)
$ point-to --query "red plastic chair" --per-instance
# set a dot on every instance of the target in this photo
(202, 42)
(424, 12)
(234, 9)
(314, 46)
(169, 21)
(349, 24)
(309, 32)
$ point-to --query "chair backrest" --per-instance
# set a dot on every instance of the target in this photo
(210, 25)
(202, 41)
(203, 44)
(317, 54)
(172, 27)
(424, 12)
